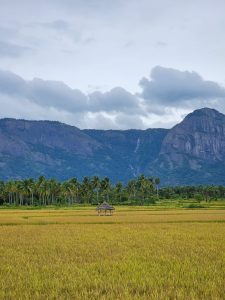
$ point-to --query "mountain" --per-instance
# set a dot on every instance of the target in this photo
(192, 152)
(133, 149)
(53, 149)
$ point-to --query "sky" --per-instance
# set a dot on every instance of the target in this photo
(111, 64)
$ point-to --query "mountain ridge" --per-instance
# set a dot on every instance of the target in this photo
(191, 152)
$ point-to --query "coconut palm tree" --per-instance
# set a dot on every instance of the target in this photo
(74, 189)
(157, 183)
(96, 184)
(132, 188)
(105, 187)
(118, 190)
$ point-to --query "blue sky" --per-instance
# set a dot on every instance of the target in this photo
(111, 64)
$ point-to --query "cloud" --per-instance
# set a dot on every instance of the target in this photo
(58, 95)
(127, 121)
(161, 44)
(171, 87)
(8, 49)
(117, 99)
(89, 40)
(96, 38)
(58, 25)
(164, 99)
(12, 84)
(7, 33)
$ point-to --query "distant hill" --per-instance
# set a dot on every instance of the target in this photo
(192, 152)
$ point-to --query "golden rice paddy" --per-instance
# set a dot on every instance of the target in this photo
(135, 254)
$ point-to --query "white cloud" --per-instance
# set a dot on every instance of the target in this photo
(87, 42)
(165, 98)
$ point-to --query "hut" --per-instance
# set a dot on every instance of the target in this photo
(105, 209)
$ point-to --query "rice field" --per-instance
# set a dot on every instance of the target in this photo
(138, 253)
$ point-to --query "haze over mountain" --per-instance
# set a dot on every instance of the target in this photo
(192, 152)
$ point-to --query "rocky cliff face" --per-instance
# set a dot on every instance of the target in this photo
(201, 135)
(193, 147)
(192, 152)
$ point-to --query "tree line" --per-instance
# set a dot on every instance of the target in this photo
(92, 190)
(199, 193)
(139, 191)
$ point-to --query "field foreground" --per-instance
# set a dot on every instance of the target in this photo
(135, 254)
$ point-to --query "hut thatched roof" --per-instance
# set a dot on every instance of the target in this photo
(105, 206)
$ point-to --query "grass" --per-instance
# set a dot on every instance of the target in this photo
(139, 253)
